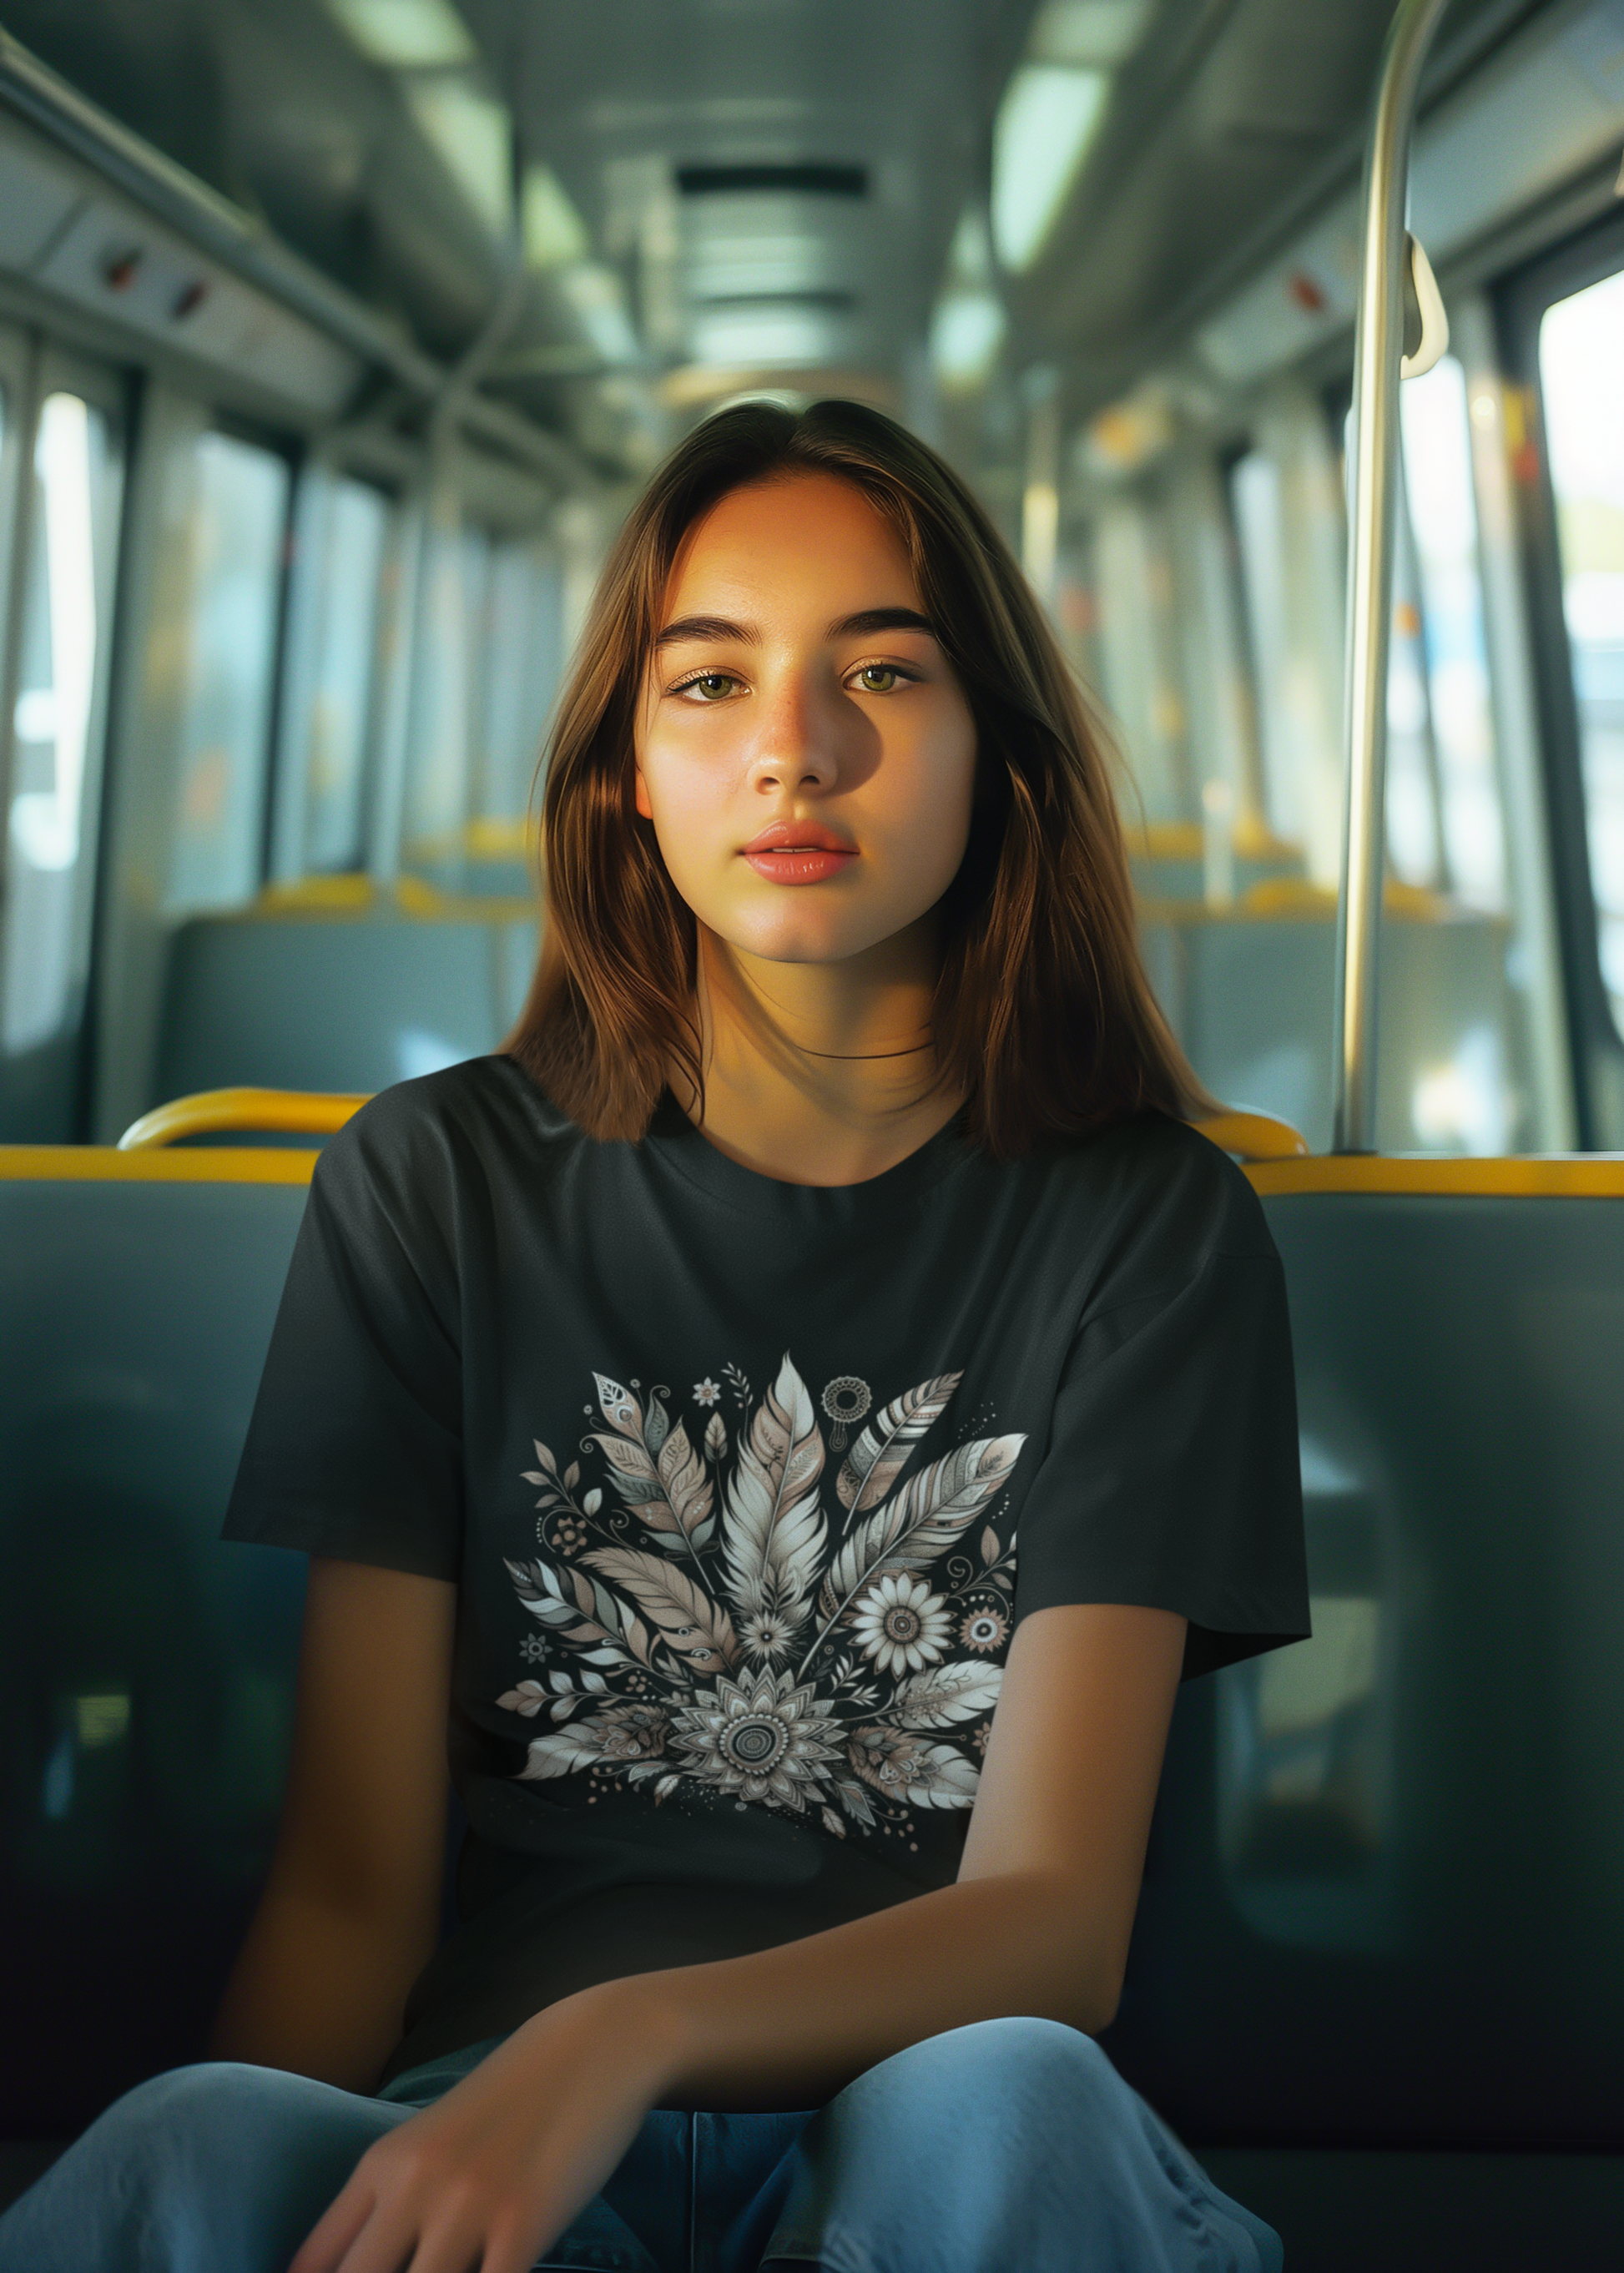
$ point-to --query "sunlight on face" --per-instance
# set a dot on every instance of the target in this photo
(804, 750)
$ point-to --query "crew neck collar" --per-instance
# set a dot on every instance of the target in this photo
(679, 1145)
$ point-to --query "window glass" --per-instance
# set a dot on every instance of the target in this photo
(1581, 380)
(445, 688)
(1443, 543)
(524, 638)
(57, 724)
(342, 547)
(237, 514)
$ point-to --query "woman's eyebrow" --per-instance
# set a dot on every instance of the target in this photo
(707, 627)
(882, 619)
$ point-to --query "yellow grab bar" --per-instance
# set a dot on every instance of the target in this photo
(1254, 1136)
(305, 1112)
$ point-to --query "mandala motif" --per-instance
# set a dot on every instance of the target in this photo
(711, 1623)
(844, 1399)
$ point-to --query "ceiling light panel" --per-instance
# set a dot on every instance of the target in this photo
(406, 35)
(473, 135)
(1093, 35)
(1046, 121)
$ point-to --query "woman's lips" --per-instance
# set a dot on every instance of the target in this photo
(799, 864)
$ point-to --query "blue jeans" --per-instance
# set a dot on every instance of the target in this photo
(1010, 2147)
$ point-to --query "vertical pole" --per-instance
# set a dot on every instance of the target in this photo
(1379, 345)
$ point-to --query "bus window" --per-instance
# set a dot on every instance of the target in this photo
(523, 642)
(62, 668)
(1443, 530)
(322, 765)
(1581, 380)
(238, 515)
(451, 606)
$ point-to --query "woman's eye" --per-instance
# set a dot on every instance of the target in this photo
(711, 686)
(878, 678)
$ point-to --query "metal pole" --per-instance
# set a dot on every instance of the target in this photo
(1378, 344)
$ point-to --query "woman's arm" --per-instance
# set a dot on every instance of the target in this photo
(1037, 1923)
(351, 1908)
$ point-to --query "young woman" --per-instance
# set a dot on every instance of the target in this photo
(796, 1414)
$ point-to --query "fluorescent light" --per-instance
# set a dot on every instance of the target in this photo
(1092, 32)
(553, 232)
(473, 135)
(406, 35)
(600, 305)
(1046, 122)
(966, 335)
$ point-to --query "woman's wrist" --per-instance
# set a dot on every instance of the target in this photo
(642, 2022)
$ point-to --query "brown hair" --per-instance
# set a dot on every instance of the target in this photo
(1042, 1012)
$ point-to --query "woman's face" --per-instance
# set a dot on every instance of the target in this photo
(804, 751)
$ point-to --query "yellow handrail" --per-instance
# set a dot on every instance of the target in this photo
(1254, 1136)
(305, 1112)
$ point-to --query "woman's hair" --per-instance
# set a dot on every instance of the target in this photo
(1041, 1012)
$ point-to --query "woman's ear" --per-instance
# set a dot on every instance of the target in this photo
(640, 794)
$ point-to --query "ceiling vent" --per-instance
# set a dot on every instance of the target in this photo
(808, 179)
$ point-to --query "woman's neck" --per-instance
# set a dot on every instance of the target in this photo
(821, 1073)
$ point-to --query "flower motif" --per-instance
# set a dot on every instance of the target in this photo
(909, 1767)
(706, 1391)
(533, 1648)
(765, 1635)
(631, 1732)
(760, 1738)
(984, 1629)
(979, 1738)
(901, 1624)
(567, 1535)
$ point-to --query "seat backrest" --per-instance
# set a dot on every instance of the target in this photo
(1383, 1901)
(145, 1667)
(336, 1001)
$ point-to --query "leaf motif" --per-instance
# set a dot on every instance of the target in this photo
(543, 1455)
(870, 1467)
(637, 1481)
(528, 1698)
(619, 1407)
(927, 1515)
(832, 1823)
(697, 1628)
(570, 1601)
(937, 1776)
(688, 1488)
(945, 1693)
(572, 1476)
(716, 1438)
(989, 1545)
(562, 1751)
(656, 1427)
(773, 1527)
(855, 1799)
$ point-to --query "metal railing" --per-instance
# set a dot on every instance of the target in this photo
(1378, 350)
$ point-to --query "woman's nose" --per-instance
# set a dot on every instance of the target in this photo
(798, 741)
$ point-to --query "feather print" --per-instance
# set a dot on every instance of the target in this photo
(872, 1464)
(678, 1601)
(773, 1527)
(699, 1629)
(927, 1515)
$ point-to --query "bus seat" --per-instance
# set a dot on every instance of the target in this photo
(313, 1000)
(145, 1667)
(1382, 1907)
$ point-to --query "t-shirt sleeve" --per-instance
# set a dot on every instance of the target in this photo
(1172, 1475)
(355, 1448)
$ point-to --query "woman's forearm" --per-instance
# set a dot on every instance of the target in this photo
(788, 2027)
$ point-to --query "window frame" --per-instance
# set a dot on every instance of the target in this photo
(1519, 304)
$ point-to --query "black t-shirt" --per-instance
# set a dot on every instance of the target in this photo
(730, 1473)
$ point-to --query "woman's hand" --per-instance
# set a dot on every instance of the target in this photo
(495, 2170)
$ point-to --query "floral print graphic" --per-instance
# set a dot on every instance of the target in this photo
(709, 1624)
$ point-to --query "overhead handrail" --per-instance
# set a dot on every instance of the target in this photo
(1378, 350)
(1254, 1136)
(226, 233)
(211, 1112)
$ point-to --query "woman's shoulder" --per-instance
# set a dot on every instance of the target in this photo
(466, 1119)
(1157, 1185)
